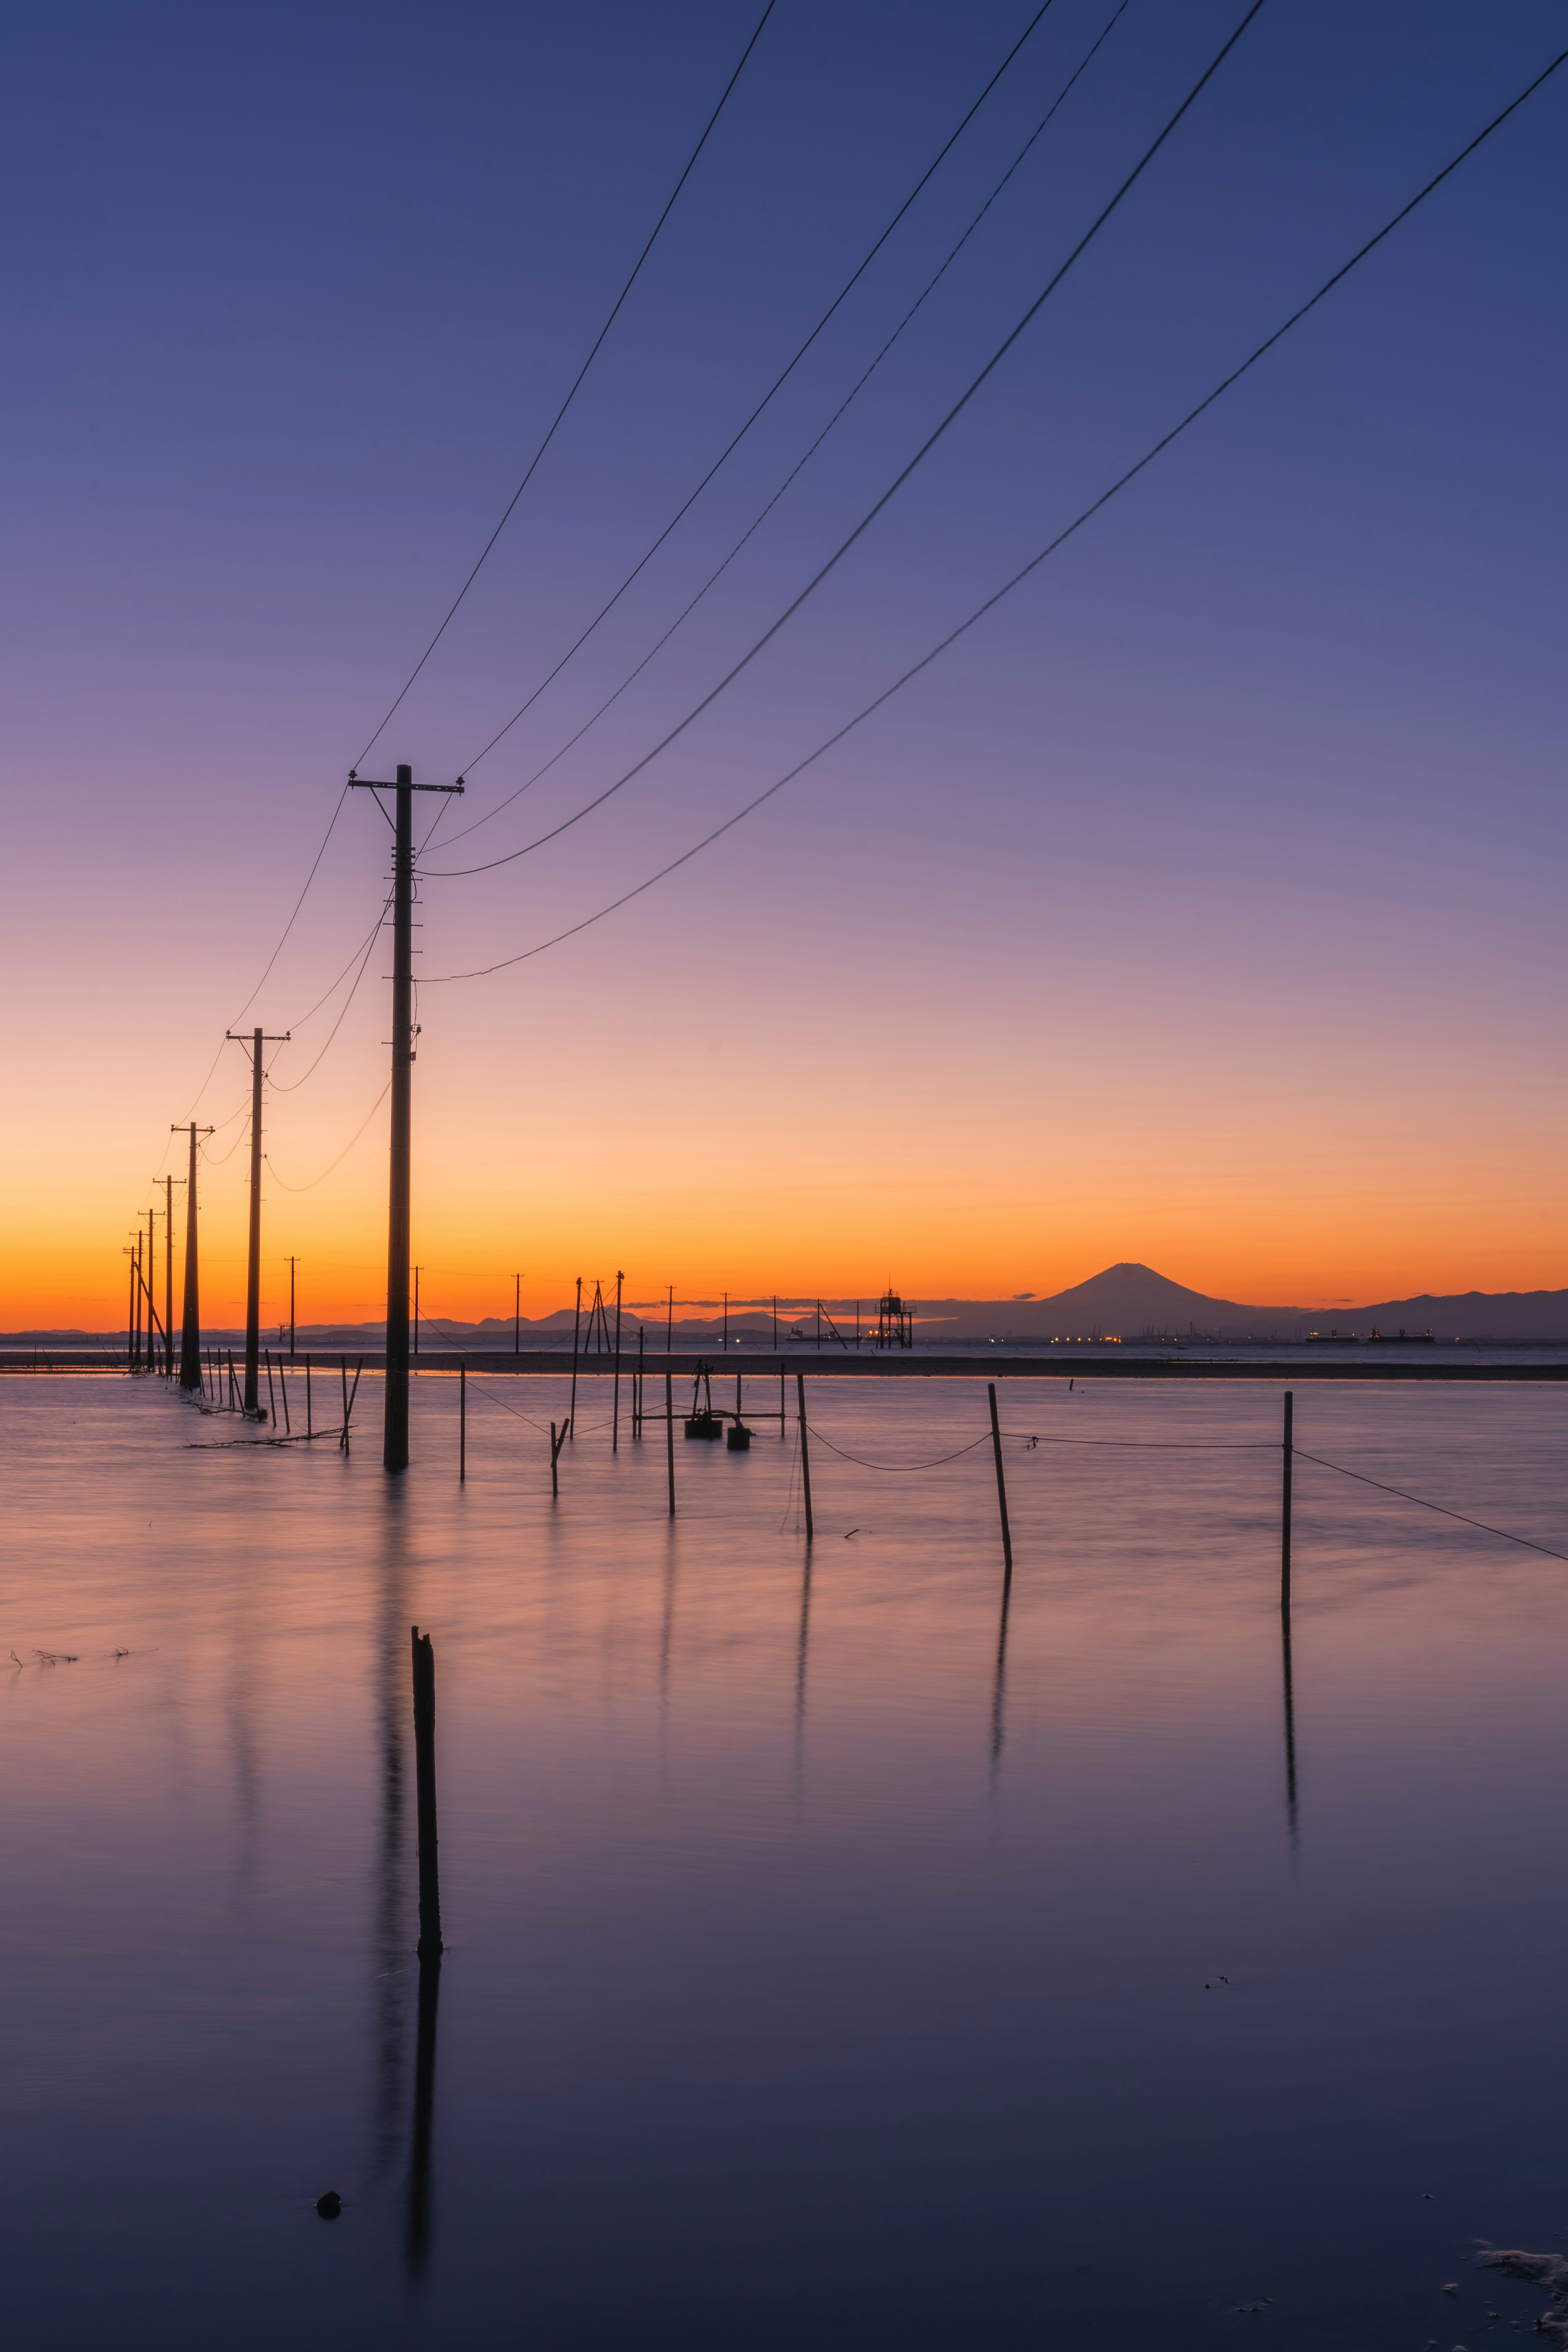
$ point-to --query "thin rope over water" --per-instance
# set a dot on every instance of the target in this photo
(1406, 1496)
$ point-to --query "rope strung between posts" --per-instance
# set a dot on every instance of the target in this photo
(861, 1464)
(1028, 1438)
(433, 1322)
(1406, 1496)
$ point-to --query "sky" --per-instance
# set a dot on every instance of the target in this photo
(1199, 907)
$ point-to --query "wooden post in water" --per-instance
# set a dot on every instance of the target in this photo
(554, 1457)
(283, 1392)
(804, 1452)
(1001, 1484)
(462, 1423)
(343, 1435)
(576, 1324)
(669, 1437)
(429, 1945)
(1288, 1453)
(615, 1407)
(271, 1399)
(310, 1430)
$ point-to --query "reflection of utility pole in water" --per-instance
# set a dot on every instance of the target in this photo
(1288, 1454)
(390, 1930)
(1290, 1726)
(802, 1654)
(424, 1660)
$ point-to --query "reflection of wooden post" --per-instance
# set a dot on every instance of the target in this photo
(576, 1324)
(1288, 1451)
(805, 1453)
(430, 1944)
(1001, 1482)
(462, 1423)
(669, 1438)
(424, 2111)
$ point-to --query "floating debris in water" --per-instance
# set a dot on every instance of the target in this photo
(1549, 2270)
(329, 2205)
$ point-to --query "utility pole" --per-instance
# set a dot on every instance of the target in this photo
(251, 1402)
(152, 1280)
(395, 1427)
(152, 1277)
(168, 1278)
(137, 1287)
(190, 1310)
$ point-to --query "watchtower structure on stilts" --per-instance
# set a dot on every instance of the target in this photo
(895, 1322)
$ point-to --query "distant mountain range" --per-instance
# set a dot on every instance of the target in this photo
(1126, 1302)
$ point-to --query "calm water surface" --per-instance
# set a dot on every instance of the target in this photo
(829, 1962)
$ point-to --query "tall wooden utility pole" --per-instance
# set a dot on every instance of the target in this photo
(251, 1402)
(399, 1220)
(168, 1278)
(191, 1313)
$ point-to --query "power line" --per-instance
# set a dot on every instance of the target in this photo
(777, 386)
(576, 381)
(869, 517)
(295, 1084)
(343, 1154)
(1406, 1496)
(1084, 516)
(856, 390)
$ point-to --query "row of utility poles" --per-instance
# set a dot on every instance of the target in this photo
(395, 1435)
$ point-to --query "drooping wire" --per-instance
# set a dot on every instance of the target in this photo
(272, 960)
(869, 517)
(1406, 1496)
(295, 1084)
(1084, 516)
(577, 379)
(725, 454)
(300, 1021)
(217, 1160)
(755, 524)
(343, 1154)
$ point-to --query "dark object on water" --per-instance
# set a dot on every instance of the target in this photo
(1401, 1338)
(330, 2206)
(704, 1424)
(738, 1438)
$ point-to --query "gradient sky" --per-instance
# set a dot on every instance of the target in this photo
(1201, 907)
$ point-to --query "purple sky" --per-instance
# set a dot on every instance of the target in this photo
(1244, 818)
